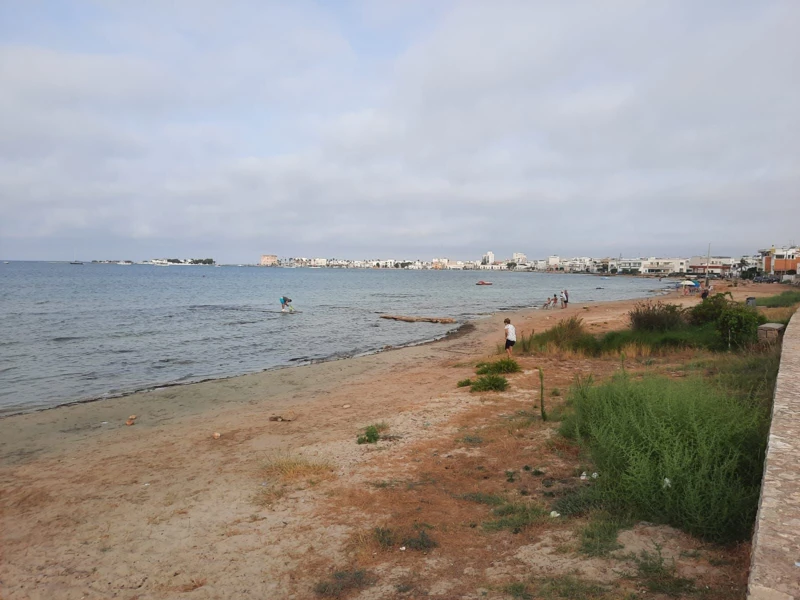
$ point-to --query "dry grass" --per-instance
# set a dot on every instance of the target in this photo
(287, 467)
(267, 496)
(779, 314)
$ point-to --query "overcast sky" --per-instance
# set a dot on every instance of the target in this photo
(406, 128)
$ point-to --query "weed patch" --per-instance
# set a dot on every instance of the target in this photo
(680, 452)
(372, 433)
(515, 516)
(464, 382)
(569, 588)
(656, 316)
(658, 576)
(504, 365)
(788, 298)
(599, 537)
(489, 383)
(472, 440)
(287, 467)
(416, 539)
(342, 582)
(480, 498)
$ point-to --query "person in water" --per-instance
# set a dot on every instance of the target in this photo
(286, 303)
(511, 336)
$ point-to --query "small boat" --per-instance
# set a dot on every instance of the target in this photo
(482, 282)
(75, 262)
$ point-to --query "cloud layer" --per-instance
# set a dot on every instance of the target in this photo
(397, 129)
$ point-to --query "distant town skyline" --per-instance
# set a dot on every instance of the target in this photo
(354, 128)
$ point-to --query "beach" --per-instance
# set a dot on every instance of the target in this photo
(92, 508)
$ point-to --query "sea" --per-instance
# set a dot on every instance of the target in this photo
(80, 332)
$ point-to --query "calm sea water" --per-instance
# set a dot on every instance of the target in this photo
(74, 332)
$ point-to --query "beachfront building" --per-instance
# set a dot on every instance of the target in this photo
(579, 264)
(781, 261)
(439, 263)
(717, 265)
(488, 258)
(269, 260)
(630, 266)
(553, 263)
(664, 266)
(519, 258)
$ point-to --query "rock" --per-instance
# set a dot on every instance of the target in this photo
(130, 422)
(217, 435)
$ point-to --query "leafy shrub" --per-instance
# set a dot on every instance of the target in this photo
(504, 365)
(489, 383)
(464, 383)
(710, 309)
(738, 326)
(656, 316)
(788, 298)
(680, 452)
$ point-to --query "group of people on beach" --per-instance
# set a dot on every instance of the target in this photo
(553, 302)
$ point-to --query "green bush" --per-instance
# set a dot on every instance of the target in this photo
(656, 316)
(788, 298)
(705, 336)
(464, 383)
(371, 436)
(738, 326)
(342, 582)
(489, 383)
(680, 452)
(710, 309)
(567, 334)
(504, 365)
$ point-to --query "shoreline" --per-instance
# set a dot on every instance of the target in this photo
(301, 362)
(41, 432)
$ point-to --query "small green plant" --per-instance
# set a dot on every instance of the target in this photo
(555, 393)
(504, 365)
(371, 436)
(385, 537)
(464, 383)
(658, 576)
(526, 344)
(510, 476)
(578, 501)
(569, 588)
(518, 590)
(480, 498)
(599, 537)
(342, 582)
(471, 439)
(420, 540)
(541, 394)
(515, 516)
(489, 383)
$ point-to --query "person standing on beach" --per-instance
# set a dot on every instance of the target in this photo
(566, 298)
(286, 302)
(563, 300)
(511, 336)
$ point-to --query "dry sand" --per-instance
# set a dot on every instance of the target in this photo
(94, 509)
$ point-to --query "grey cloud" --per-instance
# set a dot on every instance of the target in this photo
(574, 128)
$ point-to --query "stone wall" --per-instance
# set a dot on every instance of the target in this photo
(775, 566)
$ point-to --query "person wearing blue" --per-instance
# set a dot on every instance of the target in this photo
(286, 303)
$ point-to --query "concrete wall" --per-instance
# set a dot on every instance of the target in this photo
(775, 567)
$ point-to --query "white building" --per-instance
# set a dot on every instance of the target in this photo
(519, 258)
(553, 263)
(718, 265)
(488, 258)
(664, 266)
(319, 262)
(630, 265)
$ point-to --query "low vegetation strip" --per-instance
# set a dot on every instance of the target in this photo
(788, 298)
(683, 452)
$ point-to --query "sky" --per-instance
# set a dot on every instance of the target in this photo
(397, 129)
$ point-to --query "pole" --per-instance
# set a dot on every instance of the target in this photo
(708, 260)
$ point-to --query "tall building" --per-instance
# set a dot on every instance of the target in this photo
(269, 260)
(488, 258)
(519, 258)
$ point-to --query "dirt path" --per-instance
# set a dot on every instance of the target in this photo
(94, 509)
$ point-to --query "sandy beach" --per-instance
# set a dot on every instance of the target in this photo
(92, 508)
